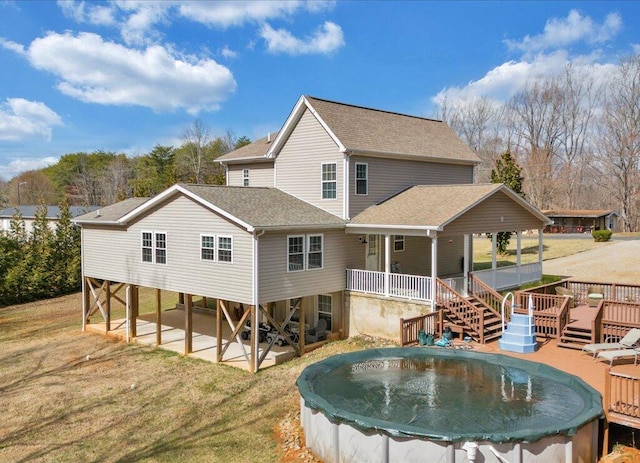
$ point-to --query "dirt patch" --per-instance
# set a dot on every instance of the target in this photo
(622, 454)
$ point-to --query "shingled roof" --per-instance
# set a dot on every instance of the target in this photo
(432, 206)
(250, 207)
(367, 132)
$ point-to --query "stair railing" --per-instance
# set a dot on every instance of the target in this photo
(456, 304)
(491, 298)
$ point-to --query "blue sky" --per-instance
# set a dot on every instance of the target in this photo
(124, 76)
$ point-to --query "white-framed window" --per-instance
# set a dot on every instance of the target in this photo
(362, 178)
(304, 252)
(325, 310)
(147, 246)
(216, 248)
(207, 247)
(398, 243)
(314, 252)
(295, 253)
(245, 177)
(329, 180)
(154, 247)
(225, 249)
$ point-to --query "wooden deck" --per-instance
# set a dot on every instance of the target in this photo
(204, 339)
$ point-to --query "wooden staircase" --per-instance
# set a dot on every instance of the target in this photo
(575, 337)
(471, 316)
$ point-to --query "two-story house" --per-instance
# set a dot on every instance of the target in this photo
(344, 219)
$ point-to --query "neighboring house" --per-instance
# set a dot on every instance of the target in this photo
(581, 221)
(345, 215)
(28, 214)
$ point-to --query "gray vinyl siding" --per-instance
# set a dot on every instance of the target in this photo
(389, 176)
(260, 174)
(277, 284)
(495, 214)
(115, 254)
(299, 164)
(416, 258)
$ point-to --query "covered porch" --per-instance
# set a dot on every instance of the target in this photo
(412, 238)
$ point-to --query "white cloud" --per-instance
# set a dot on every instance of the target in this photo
(228, 52)
(96, 71)
(92, 13)
(236, 13)
(566, 31)
(13, 46)
(22, 119)
(636, 48)
(325, 40)
(18, 166)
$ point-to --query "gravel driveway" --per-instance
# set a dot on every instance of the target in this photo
(618, 262)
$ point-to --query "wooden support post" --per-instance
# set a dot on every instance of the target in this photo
(135, 310)
(181, 298)
(219, 316)
(158, 317)
(303, 329)
(254, 338)
(107, 290)
(204, 302)
(188, 324)
(86, 302)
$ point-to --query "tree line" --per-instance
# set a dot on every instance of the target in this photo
(42, 263)
(102, 178)
(577, 138)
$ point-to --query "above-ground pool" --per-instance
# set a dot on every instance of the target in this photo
(446, 405)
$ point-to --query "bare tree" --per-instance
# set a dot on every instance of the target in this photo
(536, 115)
(192, 154)
(113, 182)
(618, 156)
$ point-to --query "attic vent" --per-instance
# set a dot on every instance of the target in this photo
(268, 137)
(97, 212)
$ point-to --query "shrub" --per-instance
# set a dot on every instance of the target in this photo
(601, 235)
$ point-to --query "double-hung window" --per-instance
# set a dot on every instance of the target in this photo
(362, 178)
(329, 180)
(216, 248)
(325, 310)
(304, 252)
(398, 243)
(154, 247)
(225, 249)
(295, 257)
(245, 177)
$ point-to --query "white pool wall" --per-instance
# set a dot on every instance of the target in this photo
(342, 443)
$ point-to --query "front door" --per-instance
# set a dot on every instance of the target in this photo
(373, 253)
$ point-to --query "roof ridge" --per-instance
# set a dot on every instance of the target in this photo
(374, 109)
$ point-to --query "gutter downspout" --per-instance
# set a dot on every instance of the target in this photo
(346, 188)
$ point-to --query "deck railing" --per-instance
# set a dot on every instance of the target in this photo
(492, 298)
(550, 313)
(461, 309)
(411, 327)
(612, 291)
(511, 276)
(622, 398)
(617, 318)
(415, 287)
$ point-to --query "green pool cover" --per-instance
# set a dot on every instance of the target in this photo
(449, 395)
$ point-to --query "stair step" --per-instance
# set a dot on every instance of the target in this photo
(571, 345)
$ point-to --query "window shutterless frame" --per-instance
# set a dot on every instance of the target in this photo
(329, 180)
(362, 179)
(295, 253)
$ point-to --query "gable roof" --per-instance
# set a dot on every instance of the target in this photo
(249, 207)
(368, 132)
(255, 151)
(432, 207)
(53, 212)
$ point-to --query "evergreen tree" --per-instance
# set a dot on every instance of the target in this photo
(507, 171)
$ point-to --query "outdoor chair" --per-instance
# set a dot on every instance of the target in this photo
(612, 355)
(318, 332)
(628, 342)
(562, 291)
(594, 295)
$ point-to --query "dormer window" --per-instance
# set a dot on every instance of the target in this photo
(329, 180)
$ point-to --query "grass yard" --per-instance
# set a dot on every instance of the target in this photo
(66, 396)
(553, 247)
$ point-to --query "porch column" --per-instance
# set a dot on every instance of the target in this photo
(434, 269)
(494, 262)
(465, 265)
(519, 255)
(387, 262)
(158, 317)
(540, 249)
